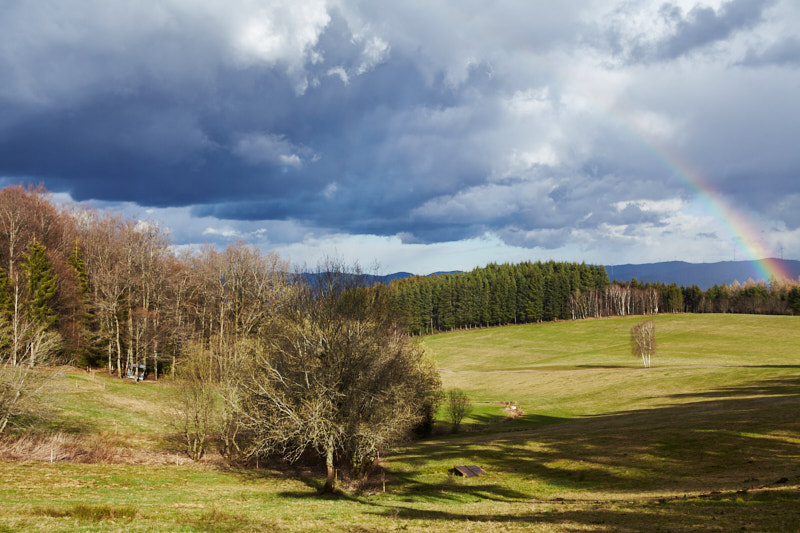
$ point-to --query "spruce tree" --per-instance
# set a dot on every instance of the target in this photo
(42, 284)
(82, 335)
(6, 310)
(79, 267)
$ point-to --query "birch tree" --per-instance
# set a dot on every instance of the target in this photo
(643, 341)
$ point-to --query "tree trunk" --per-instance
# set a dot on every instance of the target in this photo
(119, 348)
(330, 480)
(155, 361)
(130, 353)
(15, 347)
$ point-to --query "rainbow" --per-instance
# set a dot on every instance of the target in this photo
(735, 224)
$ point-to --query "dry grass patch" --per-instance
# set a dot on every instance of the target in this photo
(91, 513)
(84, 449)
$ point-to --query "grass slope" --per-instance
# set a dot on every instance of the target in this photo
(706, 440)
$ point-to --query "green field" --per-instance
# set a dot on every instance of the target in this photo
(708, 439)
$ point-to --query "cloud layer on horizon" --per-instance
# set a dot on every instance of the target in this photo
(566, 127)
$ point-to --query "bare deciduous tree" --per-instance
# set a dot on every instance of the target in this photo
(194, 412)
(222, 302)
(337, 376)
(643, 341)
(22, 382)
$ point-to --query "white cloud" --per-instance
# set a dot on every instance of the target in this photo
(375, 51)
(279, 31)
(670, 205)
(226, 232)
(341, 73)
(330, 190)
(271, 149)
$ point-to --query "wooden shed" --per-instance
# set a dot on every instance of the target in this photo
(468, 471)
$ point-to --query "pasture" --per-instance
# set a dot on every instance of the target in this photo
(708, 439)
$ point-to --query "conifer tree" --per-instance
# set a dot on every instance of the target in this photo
(82, 336)
(6, 309)
(79, 267)
(42, 284)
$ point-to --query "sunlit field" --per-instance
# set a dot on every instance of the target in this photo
(707, 439)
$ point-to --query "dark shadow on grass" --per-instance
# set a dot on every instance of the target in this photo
(635, 367)
(784, 386)
(408, 487)
(773, 512)
(767, 366)
(728, 439)
(502, 425)
(740, 441)
(486, 418)
(316, 495)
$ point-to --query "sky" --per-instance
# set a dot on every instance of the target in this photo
(417, 136)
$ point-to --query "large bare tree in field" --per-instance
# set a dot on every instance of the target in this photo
(337, 376)
(643, 341)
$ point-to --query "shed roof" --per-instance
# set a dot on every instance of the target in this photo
(469, 470)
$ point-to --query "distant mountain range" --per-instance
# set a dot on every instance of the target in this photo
(704, 275)
(402, 275)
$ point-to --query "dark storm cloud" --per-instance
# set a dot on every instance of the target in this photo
(432, 122)
(353, 152)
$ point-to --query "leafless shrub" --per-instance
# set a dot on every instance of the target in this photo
(458, 407)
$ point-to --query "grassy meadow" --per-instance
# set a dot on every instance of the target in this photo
(708, 439)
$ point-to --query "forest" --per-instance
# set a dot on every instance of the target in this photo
(92, 288)
(544, 291)
(262, 362)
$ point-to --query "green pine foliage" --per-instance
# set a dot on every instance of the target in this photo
(84, 330)
(6, 306)
(494, 295)
(793, 297)
(5, 296)
(78, 265)
(42, 284)
(546, 291)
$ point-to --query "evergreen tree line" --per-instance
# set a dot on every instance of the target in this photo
(496, 295)
(545, 291)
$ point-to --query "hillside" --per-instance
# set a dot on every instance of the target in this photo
(706, 440)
